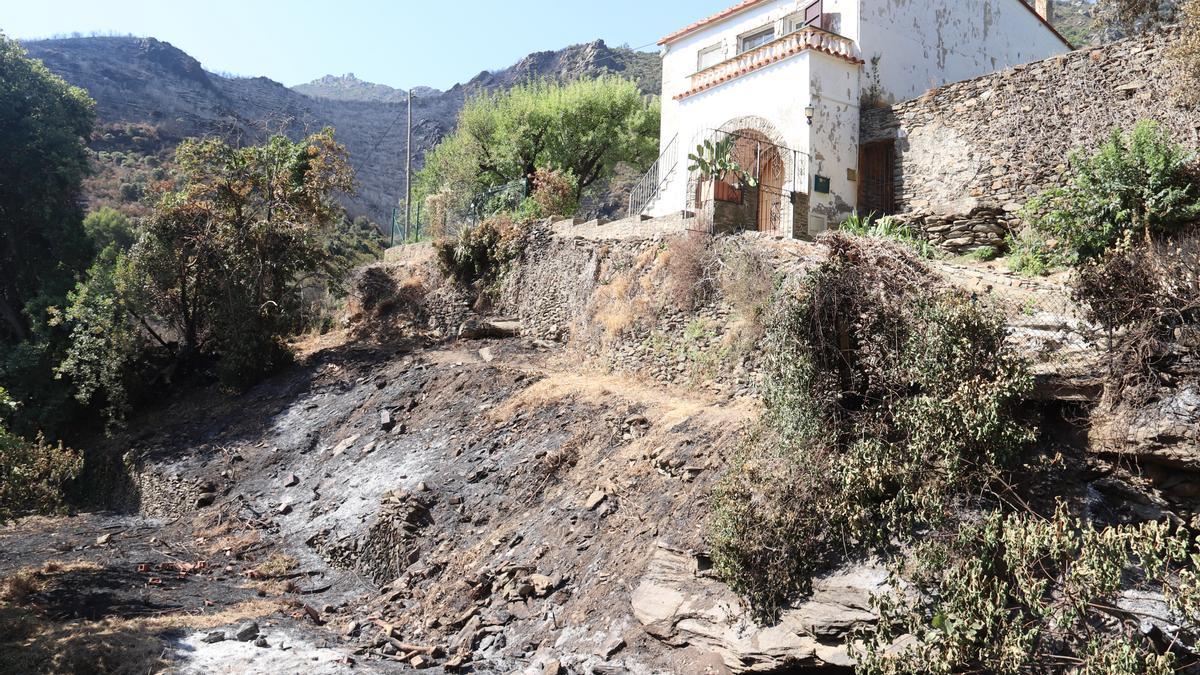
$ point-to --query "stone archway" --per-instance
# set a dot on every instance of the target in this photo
(759, 148)
(764, 161)
(755, 126)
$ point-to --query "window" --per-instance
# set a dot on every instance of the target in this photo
(756, 39)
(709, 57)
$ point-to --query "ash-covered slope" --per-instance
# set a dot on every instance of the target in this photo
(147, 81)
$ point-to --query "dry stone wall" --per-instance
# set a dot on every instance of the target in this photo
(970, 154)
(604, 299)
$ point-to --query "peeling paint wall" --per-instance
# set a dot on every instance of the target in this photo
(916, 45)
(833, 138)
(776, 94)
(988, 145)
(909, 46)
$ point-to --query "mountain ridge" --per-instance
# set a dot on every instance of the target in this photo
(151, 95)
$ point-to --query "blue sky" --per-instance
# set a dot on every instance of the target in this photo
(401, 43)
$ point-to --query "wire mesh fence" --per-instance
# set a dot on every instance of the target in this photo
(447, 213)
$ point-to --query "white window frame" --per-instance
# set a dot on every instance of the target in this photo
(708, 51)
(756, 33)
(793, 23)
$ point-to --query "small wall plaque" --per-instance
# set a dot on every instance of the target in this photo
(821, 184)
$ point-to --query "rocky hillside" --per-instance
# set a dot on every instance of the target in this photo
(1076, 20)
(150, 95)
(349, 88)
(525, 489)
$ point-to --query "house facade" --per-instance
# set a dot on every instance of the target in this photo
(786, 80)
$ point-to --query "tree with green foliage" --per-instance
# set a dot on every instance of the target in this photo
(109, 227)
(107, 336)
(583, 128)
(215, 270)
(43, 159)
(1137, 184)
(219, 255)
(43, 247)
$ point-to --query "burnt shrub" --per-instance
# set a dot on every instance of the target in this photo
(480, 255)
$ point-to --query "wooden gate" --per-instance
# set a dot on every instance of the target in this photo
(877, 178)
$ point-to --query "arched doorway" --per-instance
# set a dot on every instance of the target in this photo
(763, 160)
(773, 205)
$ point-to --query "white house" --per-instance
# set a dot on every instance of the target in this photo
(787, 78)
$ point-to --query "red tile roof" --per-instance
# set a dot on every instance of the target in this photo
(748, 4)
(740, 7)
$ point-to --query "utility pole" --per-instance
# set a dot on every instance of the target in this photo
(408, 170)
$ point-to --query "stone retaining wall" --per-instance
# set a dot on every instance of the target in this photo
(960, 233)
(559, 292)
(970, 154)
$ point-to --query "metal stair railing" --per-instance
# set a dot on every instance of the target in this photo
(646, 191)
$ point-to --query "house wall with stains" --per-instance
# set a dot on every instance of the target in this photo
(681, 58)
(911, 46)
(776, 94)
(908, 46)
(832, 144)
(754, 101)
(772, 101)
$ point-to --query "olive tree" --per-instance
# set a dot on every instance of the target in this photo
(582, 128)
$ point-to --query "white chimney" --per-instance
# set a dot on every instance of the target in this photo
(1045, 8)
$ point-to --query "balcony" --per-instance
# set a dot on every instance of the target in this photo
(808, 38)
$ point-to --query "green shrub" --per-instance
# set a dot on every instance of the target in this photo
(32, 473)
(884, 403)
(106, 227)
(889, 228)
(480, 255)
(1021, 593)
(984, 254)
(1137, 184)
(1031, 255)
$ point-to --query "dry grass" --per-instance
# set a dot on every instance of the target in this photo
(688, 266)
(667, 407)
(20, 585)
(115, 646)
(277, 565)
(747, 280)
(218, 534)
(612, 306)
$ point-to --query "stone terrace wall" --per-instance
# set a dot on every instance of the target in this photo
(603, 299)
(970, 154)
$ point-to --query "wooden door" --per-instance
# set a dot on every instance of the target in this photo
(877, 178)
(770, 192)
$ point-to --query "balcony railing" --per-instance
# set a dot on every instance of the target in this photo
(808, 38)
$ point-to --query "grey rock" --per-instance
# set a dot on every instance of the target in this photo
(682, 609)
(246, 632)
